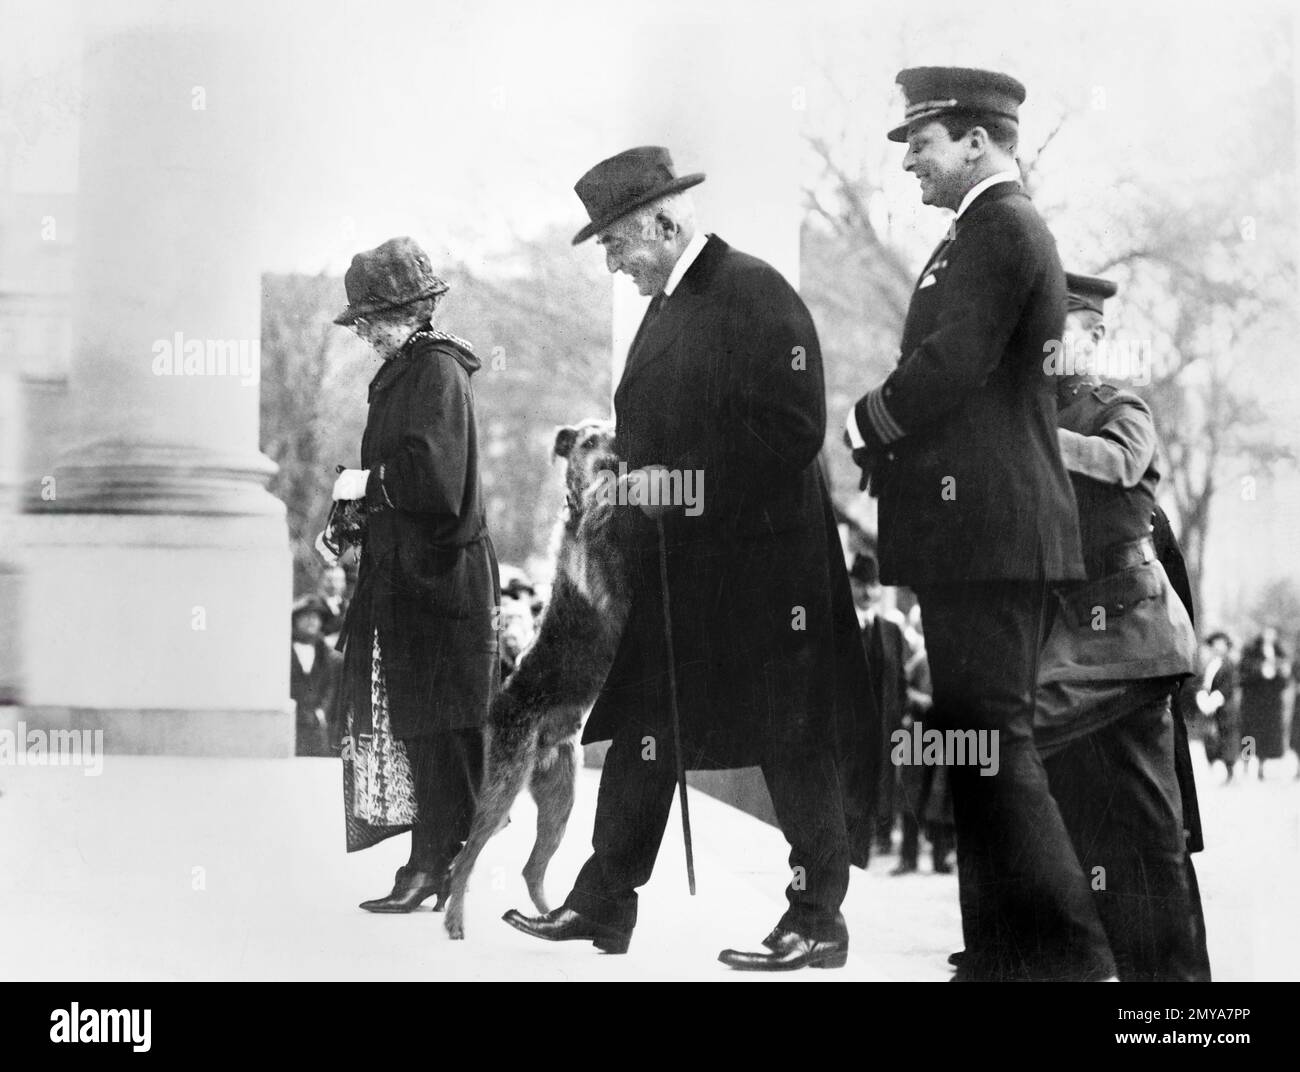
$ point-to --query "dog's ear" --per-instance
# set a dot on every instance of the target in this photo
(564, 440)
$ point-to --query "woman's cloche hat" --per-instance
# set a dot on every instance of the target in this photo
(387, 277)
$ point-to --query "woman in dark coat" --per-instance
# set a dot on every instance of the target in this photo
(1264, 674)
(420, 643)
(1217, 699)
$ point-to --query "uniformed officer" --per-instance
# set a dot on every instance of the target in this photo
(976, 514)
(1120, 643)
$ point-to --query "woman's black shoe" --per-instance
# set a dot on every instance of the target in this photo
(410, 890)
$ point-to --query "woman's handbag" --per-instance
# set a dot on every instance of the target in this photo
(346, 525)
(378, 791)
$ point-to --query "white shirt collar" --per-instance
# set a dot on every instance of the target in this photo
(984, 184)
(684, 262)
(306, 655)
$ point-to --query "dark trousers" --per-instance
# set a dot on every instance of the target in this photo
(632, 811)
(446, 769)
(1026, 908)
(917, 786)
(1119, 797)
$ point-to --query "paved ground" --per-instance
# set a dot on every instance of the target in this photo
(166, 868)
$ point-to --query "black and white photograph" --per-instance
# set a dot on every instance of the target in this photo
(715, 492)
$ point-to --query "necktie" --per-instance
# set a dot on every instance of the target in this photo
(652, 310)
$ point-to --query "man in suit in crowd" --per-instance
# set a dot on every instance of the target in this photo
(977, 515)
(1120, 644)
(723, 382)
(314, 670)
(924, 800)
(886, 648)
(334, 594)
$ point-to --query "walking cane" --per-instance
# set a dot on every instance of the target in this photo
(677, 721)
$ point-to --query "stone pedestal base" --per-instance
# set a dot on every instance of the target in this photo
(169, 632)
(240, 734)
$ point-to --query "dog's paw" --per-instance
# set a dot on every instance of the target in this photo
(538, 896)
(453, 920)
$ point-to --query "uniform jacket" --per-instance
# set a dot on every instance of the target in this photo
(974, 488)
(312, 692)
(727, 380)
(1119, 639)
(428, 578)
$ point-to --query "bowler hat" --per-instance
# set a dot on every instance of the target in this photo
(388, 277)
(1087, 292)
(624, 183)
(865, 569)
(934, 91)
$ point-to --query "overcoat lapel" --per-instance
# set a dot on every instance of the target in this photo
(688, 303)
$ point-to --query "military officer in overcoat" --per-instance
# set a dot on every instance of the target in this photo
(1120, 644)
(977, 515)
(724, 380)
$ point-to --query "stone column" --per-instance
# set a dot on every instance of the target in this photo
(157, 569)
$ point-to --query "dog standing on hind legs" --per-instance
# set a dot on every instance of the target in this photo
(533, 724)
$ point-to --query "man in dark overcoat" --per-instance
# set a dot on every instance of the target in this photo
(723, 385)
(977, 514)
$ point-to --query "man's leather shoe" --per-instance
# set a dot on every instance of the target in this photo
(904, 867)
(410, 890)
(956, 958)
(790, 950)
(565, 925)
(942, 867)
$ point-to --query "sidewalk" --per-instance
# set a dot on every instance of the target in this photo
(234, 869)
(172, 868)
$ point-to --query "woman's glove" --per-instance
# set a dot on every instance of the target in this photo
(351, 484)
